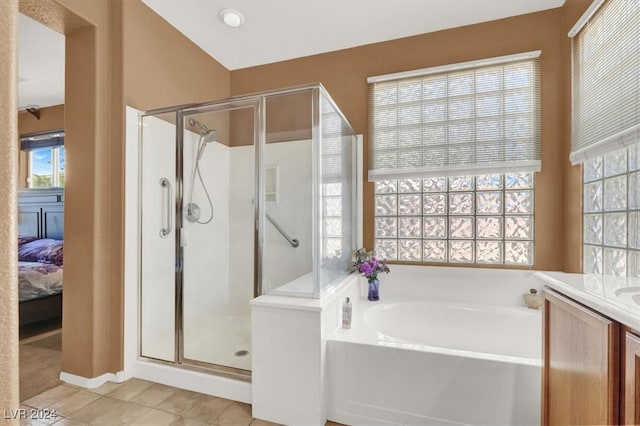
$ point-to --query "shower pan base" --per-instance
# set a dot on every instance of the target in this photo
(216, 340)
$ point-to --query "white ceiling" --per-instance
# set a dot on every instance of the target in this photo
(40, 64)
(277, 30)
(274, 30)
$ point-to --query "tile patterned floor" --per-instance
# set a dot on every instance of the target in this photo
(40, 361)
(134, 402)
(137, 402)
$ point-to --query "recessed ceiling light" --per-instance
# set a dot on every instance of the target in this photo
(231, 17)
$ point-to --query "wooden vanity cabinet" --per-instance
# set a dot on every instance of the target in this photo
(581, 364)
(591, 366)
(630, 392)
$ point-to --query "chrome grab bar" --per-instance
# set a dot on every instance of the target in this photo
(293, 241)
(164, 232)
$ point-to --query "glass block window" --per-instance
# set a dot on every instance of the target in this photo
(611, 208)
(485, 219)
(332, 219)
(477, 117)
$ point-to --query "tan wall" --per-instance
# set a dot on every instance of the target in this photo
(288, 118)
(162, 67)
(87, 306)
(344, 74)
(9, 361)
(51, 118)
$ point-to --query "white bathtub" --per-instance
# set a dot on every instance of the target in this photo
(443, 346)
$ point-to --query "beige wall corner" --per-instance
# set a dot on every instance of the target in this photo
(51, 118)
(9, 363)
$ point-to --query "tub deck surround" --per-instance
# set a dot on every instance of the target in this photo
(288, 293)
(615, 297)
(289, 341)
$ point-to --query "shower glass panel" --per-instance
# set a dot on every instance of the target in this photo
(288, 195)
(309, 194)
(218, 234)
(337, 209)
(158, 236)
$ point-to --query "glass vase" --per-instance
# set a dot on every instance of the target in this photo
(374, 290)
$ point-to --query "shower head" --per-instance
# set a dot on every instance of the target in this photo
(194, 123)
(209, 135)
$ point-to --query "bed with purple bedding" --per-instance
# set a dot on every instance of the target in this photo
(40, 279)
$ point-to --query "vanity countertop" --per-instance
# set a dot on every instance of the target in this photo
(615, 297)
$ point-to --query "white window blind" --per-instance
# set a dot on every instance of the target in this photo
(472, 118)
(606, 80)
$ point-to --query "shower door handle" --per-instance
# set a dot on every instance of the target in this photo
(164, 232)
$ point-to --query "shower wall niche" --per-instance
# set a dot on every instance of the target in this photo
(240, 197)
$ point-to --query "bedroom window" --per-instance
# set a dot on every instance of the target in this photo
(452, 154)
(46, 168)
(46, 159)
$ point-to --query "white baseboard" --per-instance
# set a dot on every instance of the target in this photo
(94, 382)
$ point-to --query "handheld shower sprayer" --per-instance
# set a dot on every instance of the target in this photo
(205, 132)
(192, 210)
(194, 123)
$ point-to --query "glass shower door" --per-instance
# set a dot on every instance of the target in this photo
(219, 162)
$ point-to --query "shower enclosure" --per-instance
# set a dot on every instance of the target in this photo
(239, 197)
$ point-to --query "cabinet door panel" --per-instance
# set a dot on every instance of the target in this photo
(630, 408)
(581, 364)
